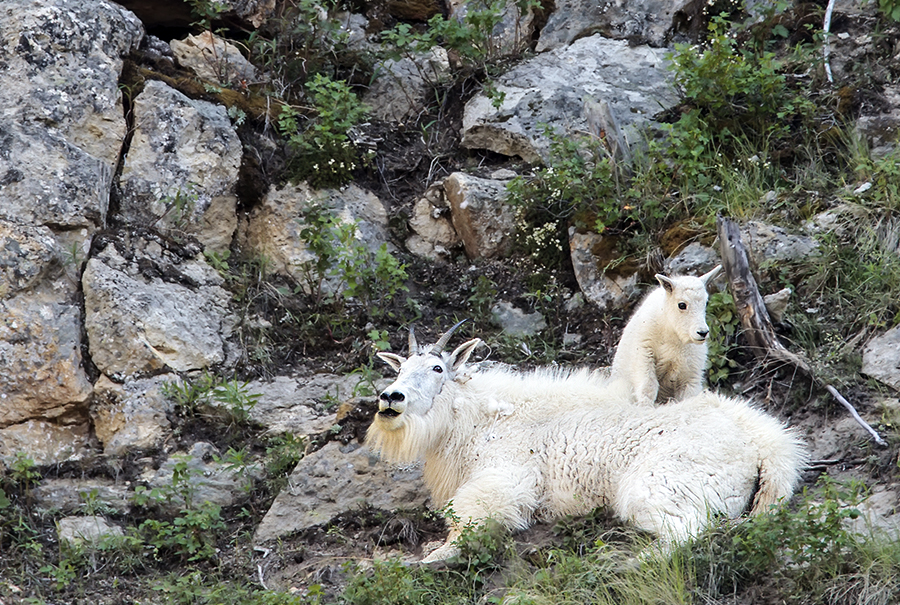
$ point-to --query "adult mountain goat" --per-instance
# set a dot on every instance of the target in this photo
(547, 443)
(662, 353)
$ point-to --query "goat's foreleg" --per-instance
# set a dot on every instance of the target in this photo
(507, 494)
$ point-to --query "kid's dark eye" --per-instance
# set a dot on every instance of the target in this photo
(438, 369)
(682, 306)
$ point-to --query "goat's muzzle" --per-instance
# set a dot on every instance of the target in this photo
(387, 401)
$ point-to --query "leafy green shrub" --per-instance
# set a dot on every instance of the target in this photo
(723, 326)
(234, 397)
(803, 550)
(484, 295)
(482, 545)
(17, 524)
(472, 37)
(343, 268)
(208, 395)
(192, 534)
(324, 154)
(579, 186)
(731, 95)
(890, 9)
(391, 582)
(206, 11)
(283, 452)
(306, 39)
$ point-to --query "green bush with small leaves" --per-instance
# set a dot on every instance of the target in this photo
(343, 268)
(324, 155)
(732, 95)
(890, 9)
(724, 324)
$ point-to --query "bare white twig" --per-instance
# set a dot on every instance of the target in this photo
(855, 415)
(826, 27)
(262, 582)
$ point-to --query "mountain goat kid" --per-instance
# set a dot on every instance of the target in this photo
(662, 353)
(490, 452)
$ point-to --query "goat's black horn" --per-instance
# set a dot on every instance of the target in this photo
(413, 345)
(440, 344)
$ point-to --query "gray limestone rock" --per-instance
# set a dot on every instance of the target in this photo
(550, 90)
(274, 226)
(148, 314)
(91, 529)
(181, 170)
(654, 22)
(482, 220)
(81, 495)
(881, 358)
(516, 322)
(606, 291)
(61, 117)
(131, 417)
(338, 479)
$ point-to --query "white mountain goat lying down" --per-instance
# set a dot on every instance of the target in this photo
(662, 353)
(491, 453)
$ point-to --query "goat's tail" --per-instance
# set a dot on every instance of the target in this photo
(782, 457)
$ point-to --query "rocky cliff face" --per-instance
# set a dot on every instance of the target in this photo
(120, 207)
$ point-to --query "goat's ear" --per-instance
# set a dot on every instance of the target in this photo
(708, 277)
(395, 361)
(665, 282)
(461, 354)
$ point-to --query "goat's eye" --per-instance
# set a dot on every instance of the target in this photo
(682, 306)
(438, 369)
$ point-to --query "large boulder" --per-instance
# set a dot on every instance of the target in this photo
(552, 88)
(181, 170)
(61, 116)
(483, 221)
(337, 479)
(274, 226)
(154, 311)
(41, 373)
(654, 22)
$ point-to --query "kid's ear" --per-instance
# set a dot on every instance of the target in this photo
(665, 282)
(708, 277)
(395, 361)
(461, 354)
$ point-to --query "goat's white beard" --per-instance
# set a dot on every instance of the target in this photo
(407, 442)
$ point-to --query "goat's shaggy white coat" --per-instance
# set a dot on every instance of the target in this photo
(662, 353)
(548, 443)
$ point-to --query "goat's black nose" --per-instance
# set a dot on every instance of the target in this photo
(392, 397)
(702, 333)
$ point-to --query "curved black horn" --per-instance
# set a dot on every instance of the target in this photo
(413, 345)
(440, 344)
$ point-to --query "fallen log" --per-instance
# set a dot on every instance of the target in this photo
(758, 331)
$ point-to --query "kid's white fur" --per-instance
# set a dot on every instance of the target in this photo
(663, 351)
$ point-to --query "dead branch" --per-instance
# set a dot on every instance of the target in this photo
(758, 330)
